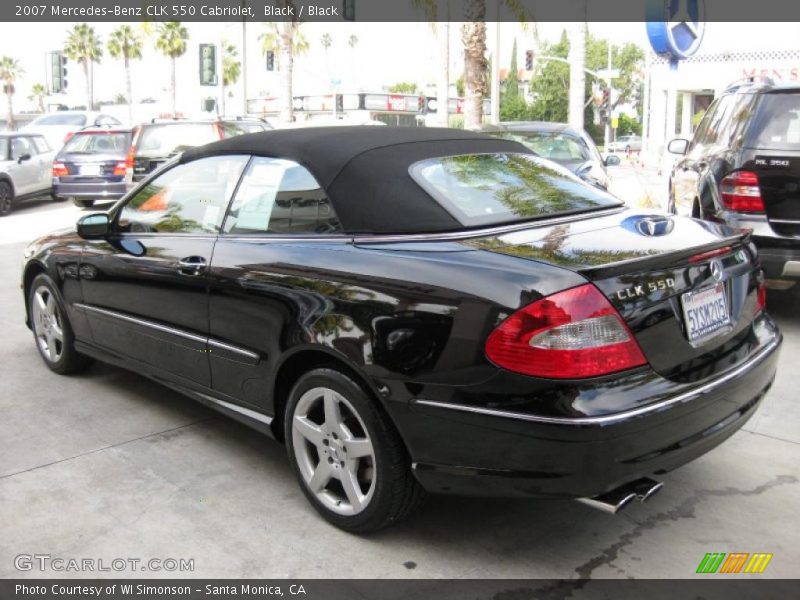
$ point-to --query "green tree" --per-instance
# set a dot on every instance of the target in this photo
(125, 42)
(231, 69)
(38, 92)
(550, 81)
(171, 42)
(511, 89)
(84, 47)
(403, 87)
(10, 70)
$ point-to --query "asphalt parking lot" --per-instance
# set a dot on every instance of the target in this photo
(108, 464)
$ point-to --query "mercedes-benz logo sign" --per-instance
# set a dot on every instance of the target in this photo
(654, 226)
(716, 269)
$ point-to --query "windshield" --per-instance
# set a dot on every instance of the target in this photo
(777, 123)
(163, 140)
(553, 145)
(97, 143)
(485, 189)
(56, 119)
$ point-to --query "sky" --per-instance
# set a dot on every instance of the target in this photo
(386, 53)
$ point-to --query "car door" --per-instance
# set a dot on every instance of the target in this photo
(145, 286)
(263, 283)
(23, 169)
(44, 160)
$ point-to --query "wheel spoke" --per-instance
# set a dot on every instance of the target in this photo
(51, 348)
(333, 415)
(352, 488)
(310, 431)
(358, 447)
(40, 302)
(320, 478)
(50, 305)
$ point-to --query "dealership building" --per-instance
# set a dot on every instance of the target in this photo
(676, 96)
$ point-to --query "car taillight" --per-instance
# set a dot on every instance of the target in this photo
(121, 168)
(761, 298)
(741, 193)
(573, 334)
(60, 169)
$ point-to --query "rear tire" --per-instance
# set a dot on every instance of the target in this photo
(348, 457)
(52, 331)
(6, 198)
(84, 203)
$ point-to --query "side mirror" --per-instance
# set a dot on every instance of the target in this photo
(678, 146)
(612, 160)
(23, 157)
(93, 227)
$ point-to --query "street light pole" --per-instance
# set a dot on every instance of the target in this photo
(607, 133)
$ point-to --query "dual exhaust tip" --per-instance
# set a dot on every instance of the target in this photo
(614, 501)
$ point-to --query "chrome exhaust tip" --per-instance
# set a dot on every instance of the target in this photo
(614, 501)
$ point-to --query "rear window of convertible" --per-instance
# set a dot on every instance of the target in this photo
(486, 189)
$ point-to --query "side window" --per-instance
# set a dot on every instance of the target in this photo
(702, 129)
(718, 123)
(188, 198)
(281, 197)
(21, 146)
(41, 144)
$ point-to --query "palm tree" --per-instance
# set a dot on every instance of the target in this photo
(352, 41)
(126, 43)
(326, 42)
(9, 73)
(83, 46)
(286, 40)
(38, 92)
(231, 69)
(171, 42)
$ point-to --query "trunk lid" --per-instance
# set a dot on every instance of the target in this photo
(90, 168)
(667, 277)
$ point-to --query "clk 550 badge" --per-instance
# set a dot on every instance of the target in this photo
(642, 289)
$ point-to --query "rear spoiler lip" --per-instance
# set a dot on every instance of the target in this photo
(663, 260)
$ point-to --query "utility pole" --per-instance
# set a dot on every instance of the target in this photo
(443, 83)
(577, 77)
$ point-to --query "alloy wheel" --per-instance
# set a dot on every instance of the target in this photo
(47, 324)
(333, 451)
(5, 199)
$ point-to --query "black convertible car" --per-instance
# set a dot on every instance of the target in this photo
(415, 310)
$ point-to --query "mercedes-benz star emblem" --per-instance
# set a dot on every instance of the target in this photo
(716, 270)
(654, 226)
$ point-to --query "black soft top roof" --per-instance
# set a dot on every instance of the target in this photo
(365, 169)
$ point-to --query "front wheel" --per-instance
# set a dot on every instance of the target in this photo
(51, 328)
(349, 459)
(6, 198)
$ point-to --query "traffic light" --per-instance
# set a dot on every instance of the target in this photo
(270, 60)
(349, 10)
(58, 72)
(208, 64)
(529, 60)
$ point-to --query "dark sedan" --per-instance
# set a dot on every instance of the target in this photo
(93, 166)
(417, 310)
(572, 148)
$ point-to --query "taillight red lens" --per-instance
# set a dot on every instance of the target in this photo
(573, 334)
(60, 169)
(741, 193)
(761, 297)
(121, 168)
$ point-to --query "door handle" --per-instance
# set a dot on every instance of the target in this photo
(192, 265)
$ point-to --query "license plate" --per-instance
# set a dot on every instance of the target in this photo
(90, 170)
(705, 312)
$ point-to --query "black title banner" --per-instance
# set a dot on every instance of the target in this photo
(393, 589)
(398, 10)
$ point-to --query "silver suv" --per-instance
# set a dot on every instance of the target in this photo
(26, 165)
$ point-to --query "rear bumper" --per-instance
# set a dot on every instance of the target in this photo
(90, 191)
(780, 262)
(461, 450)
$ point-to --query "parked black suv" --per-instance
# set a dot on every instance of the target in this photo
(159, 140)
(743, 168)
